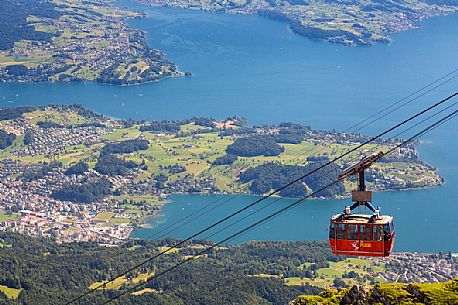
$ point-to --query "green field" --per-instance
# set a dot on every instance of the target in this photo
(169, 250)
(5, 216)
(151, 199)
(104, 216)
(326, 276)
(145, 290)
(11, 293)
(117, 283)
(118, 220)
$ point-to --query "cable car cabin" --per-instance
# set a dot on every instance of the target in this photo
(361, 235)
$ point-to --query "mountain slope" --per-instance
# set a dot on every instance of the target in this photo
(393, 293)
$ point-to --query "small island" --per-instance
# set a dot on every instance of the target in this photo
(76, 40)
(349, 22)
(74, 175)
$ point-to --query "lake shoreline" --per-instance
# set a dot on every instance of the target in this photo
(148, 221)
(378, 30)
(270, 76)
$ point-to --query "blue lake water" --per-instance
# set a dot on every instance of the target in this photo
(257, 68)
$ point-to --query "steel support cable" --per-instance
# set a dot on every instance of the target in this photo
(407, 97)
(276, 214)
(411, 139)
(189, 218)
(404, 104)
(265, 197)
(414, 98)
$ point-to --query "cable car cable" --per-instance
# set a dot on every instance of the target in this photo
(266, 196)
(404, 104)
(169, 228)
(407, 97)
(276, 214)
(394, 104)
(370, 151)
(158, 235)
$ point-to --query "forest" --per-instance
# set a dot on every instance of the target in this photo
(47, 124)
(254, 146)
(46, 273)
(225, 160)
(13, 20)
(162, 126)
(125, 147)
(85, 193)
(14, 113)
(6, 139)
(112, 165)
(78, 168)
(51, 274)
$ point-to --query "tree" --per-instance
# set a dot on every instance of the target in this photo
(111, 165)
(339, 283)
(77, 169)
(125, 147)
(254, 146)
(225, 160)
(28, 137)
(84, 193)
(6, 139)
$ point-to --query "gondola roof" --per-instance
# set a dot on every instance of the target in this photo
(362, 218)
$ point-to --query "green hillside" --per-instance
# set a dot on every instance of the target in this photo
(392, 293)
(40, 272)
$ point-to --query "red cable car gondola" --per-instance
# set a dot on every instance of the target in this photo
(361, 234)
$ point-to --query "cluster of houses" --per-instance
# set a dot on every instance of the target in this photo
(34, 212)
(37, 213)
(10, 167)
(52, 141)
(66, 228)
(420, 267)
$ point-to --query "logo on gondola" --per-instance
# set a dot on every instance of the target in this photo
(355, 245)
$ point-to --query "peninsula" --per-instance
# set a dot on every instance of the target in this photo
(349, 22)
(69, 173)
(75, 40)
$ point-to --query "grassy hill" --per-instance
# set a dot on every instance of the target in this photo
(41, 272)
(393, 293)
